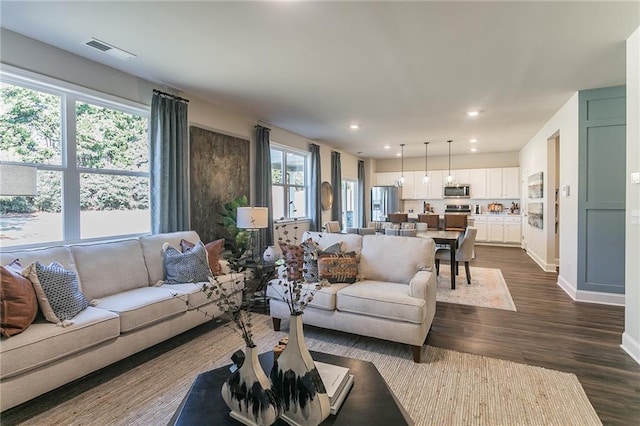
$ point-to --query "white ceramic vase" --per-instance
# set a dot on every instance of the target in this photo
(270, 254)
(249, 395)
(297, 383)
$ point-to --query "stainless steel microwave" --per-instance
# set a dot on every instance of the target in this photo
(457, 191)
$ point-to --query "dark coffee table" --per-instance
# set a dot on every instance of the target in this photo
(370, 401)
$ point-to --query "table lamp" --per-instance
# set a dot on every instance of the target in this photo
(253, 219)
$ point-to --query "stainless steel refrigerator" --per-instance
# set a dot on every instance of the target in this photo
(384, 200)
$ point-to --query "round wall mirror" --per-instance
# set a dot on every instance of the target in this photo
(326, 195)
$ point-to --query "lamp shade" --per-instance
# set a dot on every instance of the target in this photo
(18, 180)
(252, 217)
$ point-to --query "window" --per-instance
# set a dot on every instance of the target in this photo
(289, 183)
(91, 152)
(350, 214)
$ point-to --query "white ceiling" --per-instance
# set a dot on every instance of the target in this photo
(405, 71)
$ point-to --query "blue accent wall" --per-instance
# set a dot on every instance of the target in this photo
(601, 194)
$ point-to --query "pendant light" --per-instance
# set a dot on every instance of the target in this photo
(425, 179)
(449, 177)
(401, 164)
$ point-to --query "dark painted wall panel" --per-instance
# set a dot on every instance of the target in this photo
(219, 173)
(605, 251)
(606, 173)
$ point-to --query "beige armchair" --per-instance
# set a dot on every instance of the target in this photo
(463, 254)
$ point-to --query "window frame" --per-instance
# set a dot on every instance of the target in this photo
(70, 94)
(286, 186)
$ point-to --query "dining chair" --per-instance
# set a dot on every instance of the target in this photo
(455, 222)
(420, 226)
(401, 232)
(332, 226)
(464, 253)
(408, 225)
(398, 217)
(433, 220)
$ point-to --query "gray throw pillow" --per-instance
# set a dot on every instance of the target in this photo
(61, 291)
(191, 266)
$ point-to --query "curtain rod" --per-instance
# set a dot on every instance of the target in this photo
(263, 127)
(169, 95)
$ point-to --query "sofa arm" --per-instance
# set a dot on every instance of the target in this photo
(224, 267)
(422, 285)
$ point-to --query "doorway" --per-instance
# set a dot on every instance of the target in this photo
(553, 195)
(350, 213)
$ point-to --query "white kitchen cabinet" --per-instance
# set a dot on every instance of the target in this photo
(478, 182)
(512, 229)
(461, 176)
(502, 229)
(436, 182)
(407, 190)
(387, 178)
(495, 229)
(480, 223)
(511, 182)
(421, 189)
(503, 183)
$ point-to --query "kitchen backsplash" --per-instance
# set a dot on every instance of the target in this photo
(416, 206)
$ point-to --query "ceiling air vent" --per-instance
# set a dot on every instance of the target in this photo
(110, 49)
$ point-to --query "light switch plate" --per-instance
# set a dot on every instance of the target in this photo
(566, 190)
(635, 177)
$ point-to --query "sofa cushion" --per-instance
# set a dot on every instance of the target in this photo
(325, 298)
(395, 259)
(338, 267)
(144, 306)
(381, 299)
(18, 302)
(188, 267)
(57, 291)
(152, 251)
(110, 268)
(45, 343)
(350, 242)
(60, 254)
(233, 282)
(214, 253)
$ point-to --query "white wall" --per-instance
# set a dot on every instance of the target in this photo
(23, 52)
(533, 159)
(631, 336)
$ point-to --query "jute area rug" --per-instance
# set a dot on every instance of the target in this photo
(487, 289)
(446, 388)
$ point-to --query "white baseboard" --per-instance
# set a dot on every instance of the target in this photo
(590, 296)
(547, 267)
(631, 346)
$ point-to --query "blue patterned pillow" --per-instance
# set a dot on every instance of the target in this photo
(57, 289)
(191, 266)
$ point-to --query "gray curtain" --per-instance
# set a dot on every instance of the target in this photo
(361, 186)
(315, 196)
(169, 163)
(263, 180)
(336, 182)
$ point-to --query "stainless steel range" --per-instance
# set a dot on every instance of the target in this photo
(458, 208)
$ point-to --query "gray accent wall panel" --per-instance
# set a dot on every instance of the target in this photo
(601, 190)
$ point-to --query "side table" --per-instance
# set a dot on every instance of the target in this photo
(262, 274)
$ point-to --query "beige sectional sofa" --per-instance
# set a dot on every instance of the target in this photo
(395, 298)
(132, 312)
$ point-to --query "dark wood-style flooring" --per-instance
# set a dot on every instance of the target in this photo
(549, 330)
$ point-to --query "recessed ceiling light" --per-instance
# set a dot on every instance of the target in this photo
(474, 140)
(387, 147)
(474, 149)
(354, 126)
(398, 155)
(473, 113)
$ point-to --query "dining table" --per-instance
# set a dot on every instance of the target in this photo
(449, 238)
